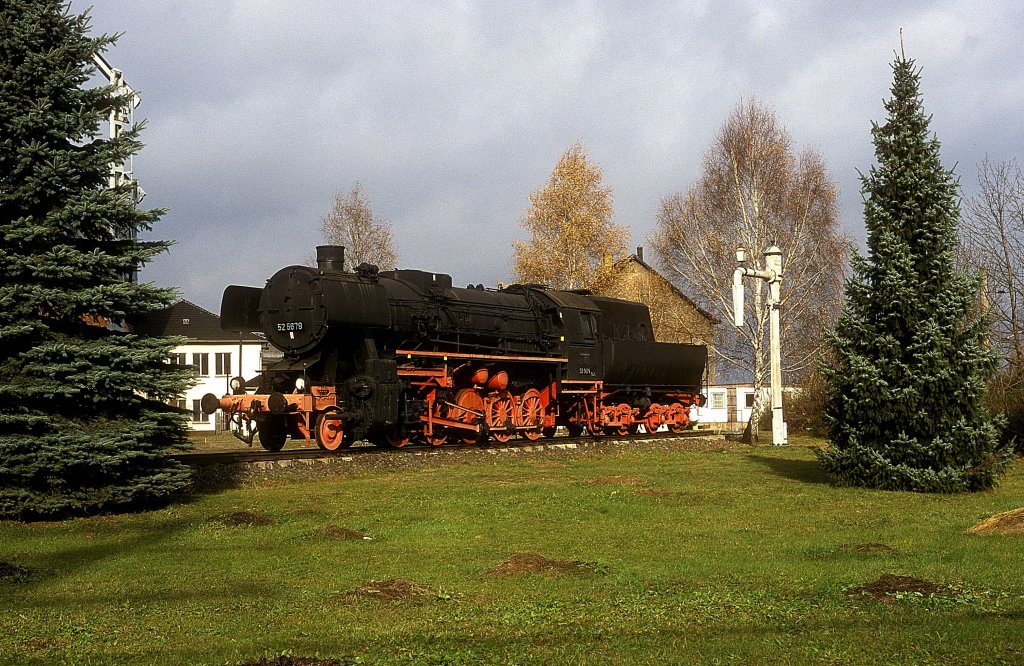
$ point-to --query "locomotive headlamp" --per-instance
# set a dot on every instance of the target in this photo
(236, 383)
(300, 385)
(741, 254)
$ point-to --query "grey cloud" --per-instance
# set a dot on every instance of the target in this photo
(451, 114)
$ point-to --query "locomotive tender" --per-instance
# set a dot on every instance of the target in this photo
(394, 356)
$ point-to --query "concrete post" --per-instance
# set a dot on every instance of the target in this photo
(773, 276)
(773, 265)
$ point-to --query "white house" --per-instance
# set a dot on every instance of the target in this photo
(217, 355)
(728, 406)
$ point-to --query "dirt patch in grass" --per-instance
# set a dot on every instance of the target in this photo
(526, 563)
(341, 532)
(654, 492)
(392, 589)
(869, 548)
(617, 479)
(287, 660)
(547, 464)
(40, 644)
(888, 586)
(1008, 522)
(240, 519)
(12, 571)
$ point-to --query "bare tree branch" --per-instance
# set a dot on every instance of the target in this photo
(992, 237)
(351, 223)
(755, 192)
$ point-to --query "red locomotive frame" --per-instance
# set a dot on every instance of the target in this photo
(465, 397)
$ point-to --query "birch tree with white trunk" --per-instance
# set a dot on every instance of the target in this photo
(992, 241)
(754, 192)
(992, 236)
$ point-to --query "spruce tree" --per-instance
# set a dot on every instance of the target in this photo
(906, 407)
(83, 423)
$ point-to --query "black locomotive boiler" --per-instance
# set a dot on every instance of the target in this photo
(398, 356)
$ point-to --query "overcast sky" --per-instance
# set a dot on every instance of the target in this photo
(450, 114)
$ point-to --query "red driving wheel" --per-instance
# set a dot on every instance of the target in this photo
(330, 432)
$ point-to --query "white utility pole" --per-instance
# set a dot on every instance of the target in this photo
(773, 276)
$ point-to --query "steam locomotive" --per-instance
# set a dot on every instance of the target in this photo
(396, 356)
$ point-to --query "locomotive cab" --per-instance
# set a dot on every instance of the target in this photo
(579, 324)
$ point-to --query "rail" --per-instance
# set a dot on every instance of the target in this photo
(231, 457)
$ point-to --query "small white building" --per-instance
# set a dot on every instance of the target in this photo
(728, 406)
(217, 355)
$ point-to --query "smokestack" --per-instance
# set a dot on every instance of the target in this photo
(330, 258)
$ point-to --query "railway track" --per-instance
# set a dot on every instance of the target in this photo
(258, 455)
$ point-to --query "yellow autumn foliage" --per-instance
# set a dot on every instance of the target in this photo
(572, 235)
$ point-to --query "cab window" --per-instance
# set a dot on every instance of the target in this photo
(588, 326)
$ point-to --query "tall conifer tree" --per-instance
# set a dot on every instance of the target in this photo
(907, 390)
(83, 425)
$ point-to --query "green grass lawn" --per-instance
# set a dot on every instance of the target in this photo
(745, 555)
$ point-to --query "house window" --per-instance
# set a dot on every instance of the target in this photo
(179, 359)
(197, 412)
(717, 401)
(222, 363)
(749, 400)
(202, 364)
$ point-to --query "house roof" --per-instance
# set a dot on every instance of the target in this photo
(187, 319)
(633, 258)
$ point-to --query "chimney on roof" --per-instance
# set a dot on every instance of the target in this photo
(640, 252)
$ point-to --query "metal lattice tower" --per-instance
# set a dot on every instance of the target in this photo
(121, 116)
